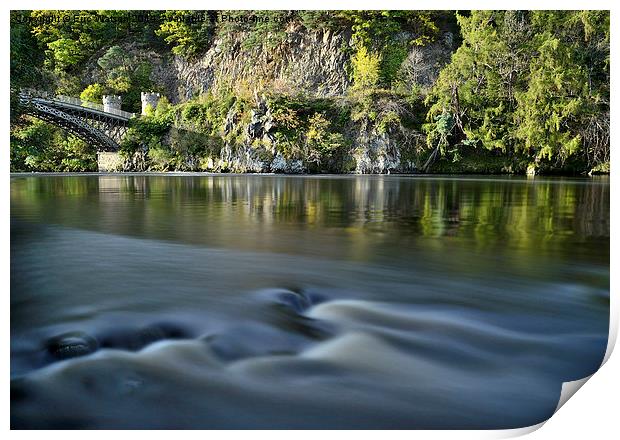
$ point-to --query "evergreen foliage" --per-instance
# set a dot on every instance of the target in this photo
(523, 87)
(526, 83)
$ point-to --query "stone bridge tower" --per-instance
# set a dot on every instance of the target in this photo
(111, 102)
(149, 99)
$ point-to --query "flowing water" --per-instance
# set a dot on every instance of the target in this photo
(236, 301)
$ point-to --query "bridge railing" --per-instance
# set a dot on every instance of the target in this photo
(76, 101)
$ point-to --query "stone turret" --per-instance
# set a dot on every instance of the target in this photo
(111, 102)
(149, 99)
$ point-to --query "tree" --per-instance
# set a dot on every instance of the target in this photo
(125, 74)
(93, 93)
(532, 84)
(26, 60)
(39, 146)
(69, 37)
(321, 142)
(477, 87)
(553, 101)
(365, 68)
(188, 32)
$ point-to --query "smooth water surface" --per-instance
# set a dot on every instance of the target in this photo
(237, 301)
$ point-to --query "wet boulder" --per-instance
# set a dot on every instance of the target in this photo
(288, 309)
(137, 338)
(70, 345)
(251, 339)
(295, 301)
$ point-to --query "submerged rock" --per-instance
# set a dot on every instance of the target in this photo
(253, 339)
(135, 339)
(288, 308)
(296, 301)
(70, 345)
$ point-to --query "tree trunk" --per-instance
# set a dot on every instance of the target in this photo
(431, 159)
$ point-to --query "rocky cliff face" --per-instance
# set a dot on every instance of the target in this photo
(312, 62)
(315, 63)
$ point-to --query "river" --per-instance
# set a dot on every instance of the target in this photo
(267, 301)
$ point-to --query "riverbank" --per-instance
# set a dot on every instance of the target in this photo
(602, 178)
(367, 92)
(472, 162)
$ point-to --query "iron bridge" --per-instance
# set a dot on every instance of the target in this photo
(91, 122)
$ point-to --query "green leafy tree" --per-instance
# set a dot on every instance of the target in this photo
(529, 84)
(125, 75)
(39, 146)
(69, 37)
(552, 103)
(382, 32)
(93, 93)
(26, 60)
(188, 32)
(476, 87)
(366, 67)
(321, 141)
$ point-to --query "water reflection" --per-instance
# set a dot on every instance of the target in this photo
(267, 212)
(149, 301)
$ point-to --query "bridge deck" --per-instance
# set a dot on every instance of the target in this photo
(89, 121)
(78, 104)
(61, 101)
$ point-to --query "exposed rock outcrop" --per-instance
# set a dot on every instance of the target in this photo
(312, 62)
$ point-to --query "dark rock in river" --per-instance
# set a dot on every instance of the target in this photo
(135, 339)
(171, 330)
(70, 345)
(296, 301)
(253, 339)
(289, 307)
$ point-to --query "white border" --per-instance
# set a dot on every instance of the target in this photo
(592, 413)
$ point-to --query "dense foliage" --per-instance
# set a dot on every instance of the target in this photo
(41, 147)
(534, 84)
(525, 89)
